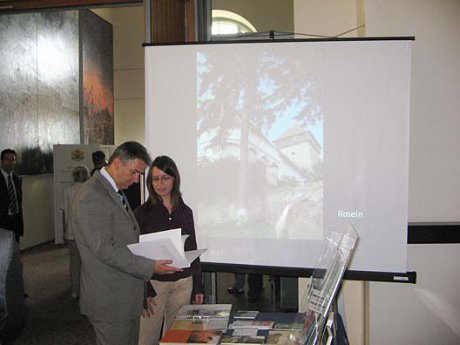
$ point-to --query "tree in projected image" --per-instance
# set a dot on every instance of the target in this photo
(261, 116)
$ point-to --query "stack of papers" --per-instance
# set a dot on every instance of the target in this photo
(166, 245)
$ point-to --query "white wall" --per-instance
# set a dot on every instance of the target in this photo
(425, 313)
(38, 208)
(128, 62)
(428, 312)
(434, 191)
(327, 18)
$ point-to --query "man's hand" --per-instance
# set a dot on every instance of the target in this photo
(150, 307)
(162, 267)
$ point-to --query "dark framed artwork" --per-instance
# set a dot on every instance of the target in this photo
(97, 79)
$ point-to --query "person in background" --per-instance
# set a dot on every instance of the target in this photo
(113, 279)
(238, 285)
(12, 302)
(165, 210)
(99, 161)
(255, 283)
(79, 175)
(10, 195)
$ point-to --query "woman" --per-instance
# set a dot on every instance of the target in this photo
(79, 174)
(165, 210)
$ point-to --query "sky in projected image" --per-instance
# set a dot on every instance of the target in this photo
(260, 138)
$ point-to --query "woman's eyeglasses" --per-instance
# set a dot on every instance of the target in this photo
(164, 178)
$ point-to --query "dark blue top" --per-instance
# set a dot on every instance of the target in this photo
(155, 218)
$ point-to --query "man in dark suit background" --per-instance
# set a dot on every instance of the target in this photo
(10, 201)
(98, 161)
(113, 278)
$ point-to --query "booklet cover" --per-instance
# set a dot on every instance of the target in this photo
(167, 244)
(204, 311)
(242, 339)
(246, 314)
(220, 324)
(259, 324)
(285, 326)
(283, 337)
(182, 336)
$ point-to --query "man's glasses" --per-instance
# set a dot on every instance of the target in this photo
(164, 178)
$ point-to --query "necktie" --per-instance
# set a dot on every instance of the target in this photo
(123, 200)
(12, 196)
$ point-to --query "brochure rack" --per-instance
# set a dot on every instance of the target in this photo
(321, 293)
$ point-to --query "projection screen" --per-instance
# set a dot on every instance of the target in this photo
(278, 142)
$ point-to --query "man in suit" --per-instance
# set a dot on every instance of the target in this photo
(98, 161)
(10, 195)
(112, 278)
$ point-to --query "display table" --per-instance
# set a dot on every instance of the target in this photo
(340, 337)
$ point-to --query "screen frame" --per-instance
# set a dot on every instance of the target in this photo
(408, 277)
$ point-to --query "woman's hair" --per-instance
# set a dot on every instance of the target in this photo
(80, 173)
(167, 165)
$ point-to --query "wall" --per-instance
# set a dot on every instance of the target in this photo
(38, 207)
(128, 61)
(328, 18)
(128, 33)
(49, 98)
(434, 191)
(428, 312)
(425, 313)
(39, 91)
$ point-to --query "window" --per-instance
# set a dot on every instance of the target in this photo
(229, 23)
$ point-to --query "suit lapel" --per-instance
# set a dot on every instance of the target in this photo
(114, 196)
(18, 187)
(2, 182)
(110, 191)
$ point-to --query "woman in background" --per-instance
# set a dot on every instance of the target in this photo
(165, 210)
(79, 174)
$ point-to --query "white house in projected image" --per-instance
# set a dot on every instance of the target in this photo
(300, 146)
(296, 154)
(290, 204)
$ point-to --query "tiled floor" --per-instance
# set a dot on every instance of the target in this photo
(52, 315)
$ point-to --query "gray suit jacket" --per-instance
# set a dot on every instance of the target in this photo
(112, 278)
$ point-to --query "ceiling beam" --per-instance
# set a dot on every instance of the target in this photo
(29, 5)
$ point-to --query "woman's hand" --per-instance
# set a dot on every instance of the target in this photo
(199, 298)
(150, 307)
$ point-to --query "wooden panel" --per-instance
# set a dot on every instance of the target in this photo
(190, 20)
(168, 24)
(171, 20)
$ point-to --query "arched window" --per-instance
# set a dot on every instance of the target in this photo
(229, 23)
